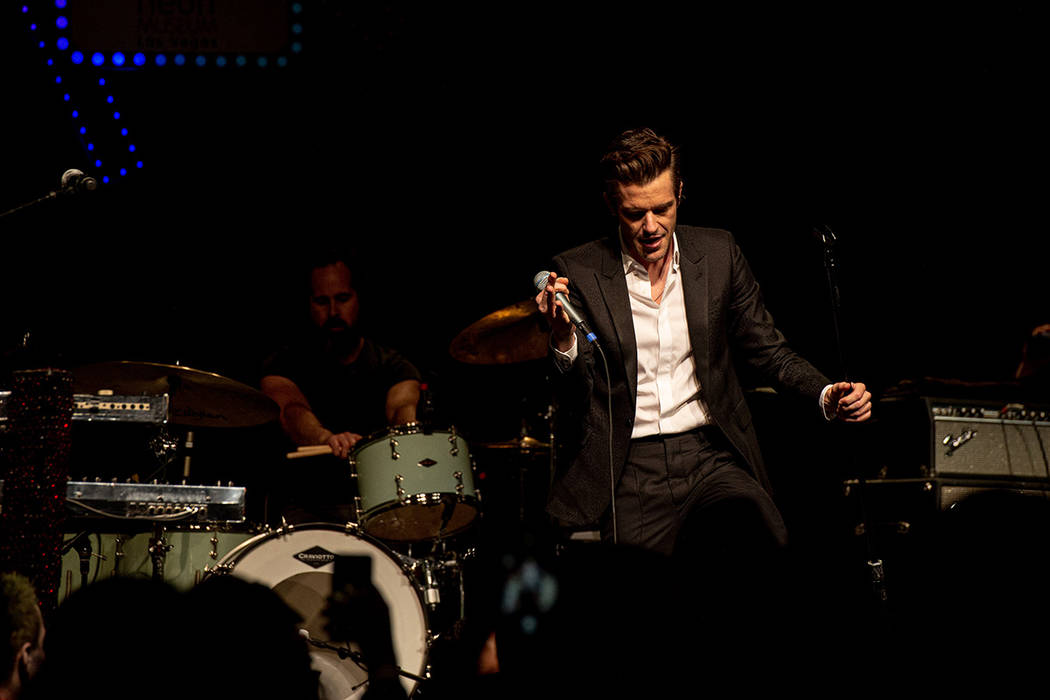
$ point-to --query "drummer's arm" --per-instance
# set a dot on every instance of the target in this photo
(401, 402)
(298, 419)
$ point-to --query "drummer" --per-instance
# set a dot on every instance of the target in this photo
(334, 386)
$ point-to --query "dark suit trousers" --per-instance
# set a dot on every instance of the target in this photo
(686, 494)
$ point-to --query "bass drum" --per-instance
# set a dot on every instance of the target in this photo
(298, 565)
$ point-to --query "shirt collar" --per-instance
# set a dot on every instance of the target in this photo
(630, 264)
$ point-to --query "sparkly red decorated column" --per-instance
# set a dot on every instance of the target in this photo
(36, 469)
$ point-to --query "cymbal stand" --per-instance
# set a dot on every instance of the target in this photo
(552, 449)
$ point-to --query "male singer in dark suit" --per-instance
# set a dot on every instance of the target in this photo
(674, 309)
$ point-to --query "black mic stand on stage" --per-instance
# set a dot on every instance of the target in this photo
(874, 563)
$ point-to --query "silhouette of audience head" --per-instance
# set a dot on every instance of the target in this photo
(123, 636)
(21, 634)
(130, 637)
(256, 635)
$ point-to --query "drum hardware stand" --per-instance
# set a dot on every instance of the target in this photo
(82, 543)
(165, 448)
(158, 550)
(433, 569)
(187, 455)
(431, 594)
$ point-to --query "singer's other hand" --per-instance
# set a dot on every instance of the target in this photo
(561, 326)
(849, 402)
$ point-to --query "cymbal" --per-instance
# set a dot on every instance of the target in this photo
(198, 398)
(516, 333)
(525, 444)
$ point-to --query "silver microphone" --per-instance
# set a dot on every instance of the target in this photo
(540, 282)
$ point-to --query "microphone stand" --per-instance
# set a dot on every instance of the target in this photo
(875, 565)
(69, 185)
(26, 205)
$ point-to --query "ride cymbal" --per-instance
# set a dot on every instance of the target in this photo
(516, 333)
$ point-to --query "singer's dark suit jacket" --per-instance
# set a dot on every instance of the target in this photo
(727, 325)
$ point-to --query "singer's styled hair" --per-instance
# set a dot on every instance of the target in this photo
(637, 157)
(19, 619)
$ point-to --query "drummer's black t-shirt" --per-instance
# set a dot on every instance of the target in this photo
(344, 397)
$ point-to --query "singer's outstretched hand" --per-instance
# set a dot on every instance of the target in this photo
(849, 402)
(561, 327)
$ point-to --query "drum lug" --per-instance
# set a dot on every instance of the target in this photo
(214, 540)
(393, 449)
(219, 569)
(398, 478)
(454, 450)
(118, 554)
(459, 484)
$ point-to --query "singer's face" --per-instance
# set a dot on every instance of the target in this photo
(333, 302)
(647, 215)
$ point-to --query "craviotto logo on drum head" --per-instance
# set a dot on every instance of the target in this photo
(315, 557)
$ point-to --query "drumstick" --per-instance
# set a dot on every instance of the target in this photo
(310, 451)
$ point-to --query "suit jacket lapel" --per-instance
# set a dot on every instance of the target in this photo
(613, 287)
(693, 268)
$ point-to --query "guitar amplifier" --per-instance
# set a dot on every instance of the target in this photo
(932, 453)
(1001, 441)
(920, 437)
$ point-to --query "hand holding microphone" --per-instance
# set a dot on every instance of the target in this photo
(553, 302)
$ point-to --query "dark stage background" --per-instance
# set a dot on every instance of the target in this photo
(457, 150)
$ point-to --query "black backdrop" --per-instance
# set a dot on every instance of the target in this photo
(457, 154)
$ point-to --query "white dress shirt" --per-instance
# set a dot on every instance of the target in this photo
(668, 390)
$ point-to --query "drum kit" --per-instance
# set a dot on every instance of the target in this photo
(418, 489)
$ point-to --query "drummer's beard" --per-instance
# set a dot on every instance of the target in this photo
(342, 339)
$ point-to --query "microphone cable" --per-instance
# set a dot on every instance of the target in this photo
(539, 281)
(612, 470)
